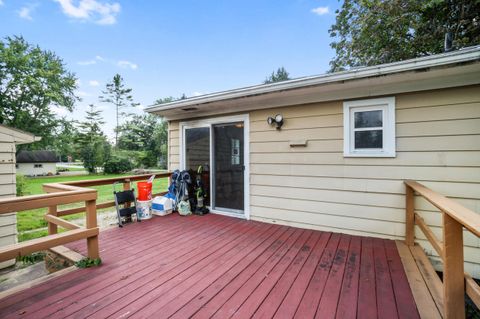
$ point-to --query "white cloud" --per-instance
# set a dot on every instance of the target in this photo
(321, 11)
(119, 63)
(1, 3)
(99, 12)
(87, 62)
(93, 83)
(127, 64)
(25, 12)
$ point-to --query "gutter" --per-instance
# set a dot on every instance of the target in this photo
(460, 56)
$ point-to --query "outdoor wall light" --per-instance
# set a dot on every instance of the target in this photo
(277, 120)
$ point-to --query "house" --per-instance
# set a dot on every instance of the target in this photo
(9, 138)
(331, 152)
(36, 163)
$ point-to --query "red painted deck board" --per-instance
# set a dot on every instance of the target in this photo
(216, 266)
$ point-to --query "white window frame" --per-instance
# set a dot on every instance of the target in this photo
(387, 106)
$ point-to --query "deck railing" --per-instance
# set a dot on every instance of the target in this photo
(60, 194)
(450, 249)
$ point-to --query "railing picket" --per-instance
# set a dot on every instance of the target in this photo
(52, 228)
(91, 222)
(453, 277)
(410, 217)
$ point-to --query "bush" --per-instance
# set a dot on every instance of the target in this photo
(87, 262)
(116, 165)
(21, 185)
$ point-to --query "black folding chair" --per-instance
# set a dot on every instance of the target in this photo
(123, 204)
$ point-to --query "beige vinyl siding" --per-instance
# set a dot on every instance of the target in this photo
(8, 222)
(173, 145)
(437, 144)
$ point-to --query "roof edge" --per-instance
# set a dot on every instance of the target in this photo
(459, 56)
(20, 137)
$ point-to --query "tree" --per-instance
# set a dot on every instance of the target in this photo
(169, 99)
(93, 147)
(280, 75)
(64, 140)
(164, 100)
(370, 32)
(32, 82)
(146, 134)
(120, 97)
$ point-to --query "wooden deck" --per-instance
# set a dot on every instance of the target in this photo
(221, 267)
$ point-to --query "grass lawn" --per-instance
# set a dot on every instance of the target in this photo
(75, 169)
(33, 219)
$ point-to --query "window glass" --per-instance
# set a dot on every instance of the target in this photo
(369, 139)
(368, 119)
(197, 150)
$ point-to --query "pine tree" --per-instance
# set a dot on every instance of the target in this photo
(280, 75)
(120, 97)
(92, 144)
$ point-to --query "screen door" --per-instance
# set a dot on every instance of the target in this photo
(228, 167)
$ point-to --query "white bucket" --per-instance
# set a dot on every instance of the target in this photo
(144, 209)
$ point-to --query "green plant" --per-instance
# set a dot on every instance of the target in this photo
(33, 258)
(116, 165)
(87, 262)
(21, 185)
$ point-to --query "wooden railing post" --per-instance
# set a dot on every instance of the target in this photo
(126, 187)
(52, 228)
(91, 222)
(126, 184)
(410, 217)
(453, 274)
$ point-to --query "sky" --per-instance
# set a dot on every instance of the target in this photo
(167, 48)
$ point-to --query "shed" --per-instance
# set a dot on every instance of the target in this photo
(9, 138)
(36, 163)
(347, 142)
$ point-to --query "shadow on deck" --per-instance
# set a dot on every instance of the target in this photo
(216, 266)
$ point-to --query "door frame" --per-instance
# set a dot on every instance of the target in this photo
(209, 122)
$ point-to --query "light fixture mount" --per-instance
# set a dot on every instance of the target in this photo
(277, 120)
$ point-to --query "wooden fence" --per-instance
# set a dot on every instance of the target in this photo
(450, 248)
(60, 194)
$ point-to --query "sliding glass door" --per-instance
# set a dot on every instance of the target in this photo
(219, 147)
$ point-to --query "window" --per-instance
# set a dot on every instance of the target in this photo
(38, 165)
(369, 128)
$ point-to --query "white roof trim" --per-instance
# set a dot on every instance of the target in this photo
(459, 56)
(19, 136)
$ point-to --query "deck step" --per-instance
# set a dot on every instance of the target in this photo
(425, 284)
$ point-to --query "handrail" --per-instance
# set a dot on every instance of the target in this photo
(60, 194)
(49, 188)
(450, 250)
(463, 215)
(106, 181)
